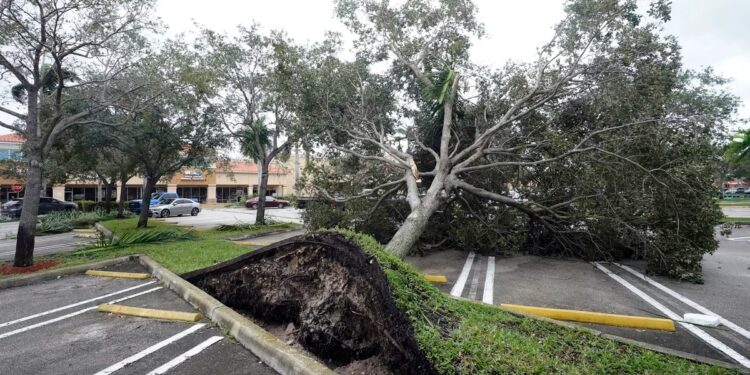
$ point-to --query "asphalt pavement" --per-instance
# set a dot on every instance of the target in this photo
(211, 217)
(53, 328)
(578, 285)
(736, 211)
(43, 245)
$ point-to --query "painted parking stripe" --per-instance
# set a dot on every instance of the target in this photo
(184, 356)
(74, 305)
(687, 301)
(489, 281)
(738, 238)
(79, 312)
(137, 356)
(475, 281)
(729, 352)
(458, 287)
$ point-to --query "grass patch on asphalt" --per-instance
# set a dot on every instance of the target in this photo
(203, 249)
(465, 337)
(735, 220)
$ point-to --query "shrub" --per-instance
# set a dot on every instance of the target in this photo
(291, 198)
(86, 206)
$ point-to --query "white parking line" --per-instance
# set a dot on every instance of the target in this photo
(184, 356)
(489, 281)
(73, 305)
(458, 287)
(475, 281)
(687, 301)
(137, 356)
(79, 312)
(731, 353)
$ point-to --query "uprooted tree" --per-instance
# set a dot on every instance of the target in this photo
(603, 144)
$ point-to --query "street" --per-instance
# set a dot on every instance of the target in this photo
(578, 285)
(53, 328)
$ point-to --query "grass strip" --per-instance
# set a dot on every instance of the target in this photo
(464, 337)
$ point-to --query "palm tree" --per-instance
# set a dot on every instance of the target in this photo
(50, 82)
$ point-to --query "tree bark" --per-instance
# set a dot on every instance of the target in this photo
(412, 228)
(260, 215)
(123, 196)
(146, 201)
(27, 225)
(108, 197)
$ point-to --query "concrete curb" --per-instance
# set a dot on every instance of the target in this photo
(31, 278)
(275, 353)
(641, 344)
(102, 229)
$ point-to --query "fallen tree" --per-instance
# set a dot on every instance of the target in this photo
(604, 142)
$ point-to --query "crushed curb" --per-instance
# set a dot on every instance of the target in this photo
(623, 340)
(31, 278)
(268, 348)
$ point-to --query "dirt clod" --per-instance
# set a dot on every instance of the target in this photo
(324, 293)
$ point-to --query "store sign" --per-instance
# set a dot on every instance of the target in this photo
(193, 175)
(17, 188)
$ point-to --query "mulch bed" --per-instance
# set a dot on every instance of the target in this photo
(8, 269)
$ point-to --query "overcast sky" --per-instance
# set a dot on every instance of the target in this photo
(711, 32)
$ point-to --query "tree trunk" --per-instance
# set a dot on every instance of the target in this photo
(260, 218)
(146, 201)
(27, 225)
(123, 196)
(108, 197)
(410, 231)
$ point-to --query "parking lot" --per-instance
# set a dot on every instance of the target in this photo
(578, 285)
(43, 245)
(54, 328)
(211, 217)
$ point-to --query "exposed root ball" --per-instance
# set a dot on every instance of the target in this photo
(336, 297)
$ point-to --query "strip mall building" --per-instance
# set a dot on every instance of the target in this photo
(208, 185)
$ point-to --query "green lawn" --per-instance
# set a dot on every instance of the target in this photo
(465, 337)
(734, 202)
(205, 248)
(735, 219)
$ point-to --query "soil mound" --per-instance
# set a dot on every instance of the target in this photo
(324, 293)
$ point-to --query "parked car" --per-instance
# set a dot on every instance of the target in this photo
(270, 202)
(135, 204)
(175, 207)
(46, 205)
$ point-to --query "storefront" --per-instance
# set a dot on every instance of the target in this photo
(230, 194)
(196, 193)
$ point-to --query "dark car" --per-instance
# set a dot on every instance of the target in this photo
(135, 205)
(270, 202)
(46, 205)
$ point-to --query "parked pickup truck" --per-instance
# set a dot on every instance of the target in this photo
(135, 205)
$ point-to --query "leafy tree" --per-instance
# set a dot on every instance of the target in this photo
(42, 43)
(256, 73)
(178, 127)
(603, 143)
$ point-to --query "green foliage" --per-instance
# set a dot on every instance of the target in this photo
(86, 206)
(203, 249)
(465, 337)
(66, 221)
(136, 238)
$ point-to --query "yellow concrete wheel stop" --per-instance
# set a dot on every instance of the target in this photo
(142, 312)
(436, 278)
(120, 275)
(630, 321)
